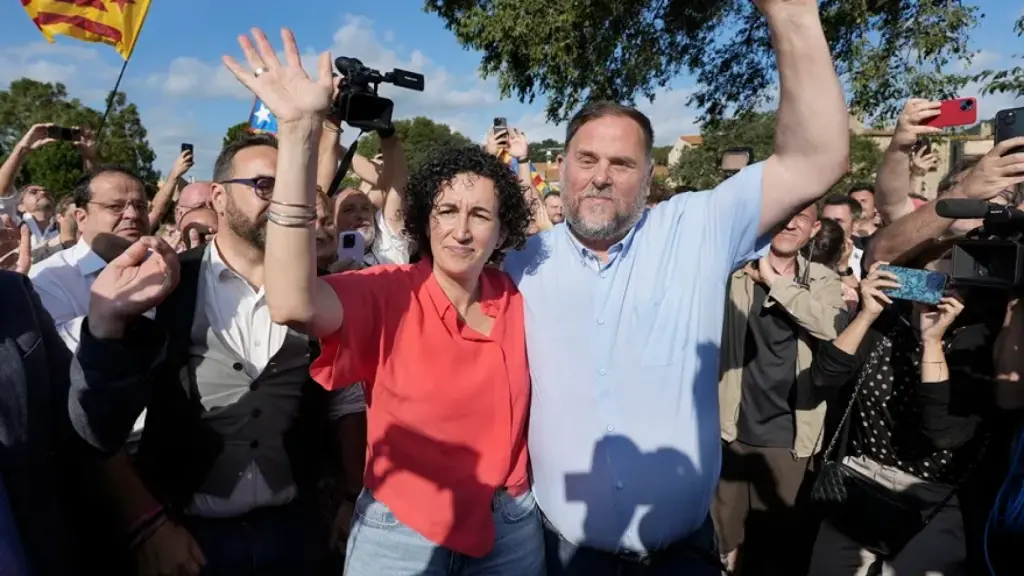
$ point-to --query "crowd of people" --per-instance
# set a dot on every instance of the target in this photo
(599, 381)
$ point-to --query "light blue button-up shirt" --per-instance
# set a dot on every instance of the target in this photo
(624, 431)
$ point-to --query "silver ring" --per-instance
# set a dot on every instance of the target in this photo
(259, 71)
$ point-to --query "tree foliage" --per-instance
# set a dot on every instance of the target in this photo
(539, 150)
(660, 154)
(572, 51)
(236, 133)
(1009, 81)
(700, 166)
(58, 166)
(418, 136)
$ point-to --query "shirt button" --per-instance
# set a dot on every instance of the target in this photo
(602, 372)
(600, 320)
(254, 444)
(237, 366)
(256, 343)
(611, 428)
(619, 485)
(603, 274)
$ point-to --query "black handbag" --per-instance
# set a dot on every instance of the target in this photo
(876, 518)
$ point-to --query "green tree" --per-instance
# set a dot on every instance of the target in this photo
(418, 136)
(1010, 80)
(236, 132)
(887, 49)
(660, 154)
(700, 166)
(58, 166)
(538, 151)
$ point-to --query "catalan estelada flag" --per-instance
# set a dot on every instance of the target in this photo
(114, 22)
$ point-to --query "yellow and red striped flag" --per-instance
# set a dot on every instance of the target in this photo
(539, 182)
(113, 22)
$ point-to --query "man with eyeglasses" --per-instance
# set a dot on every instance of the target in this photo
(231, 448)
(112, 212)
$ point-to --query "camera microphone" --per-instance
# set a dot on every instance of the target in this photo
(967, 208)
(962, 208)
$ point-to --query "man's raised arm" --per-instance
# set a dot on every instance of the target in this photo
(812, 134)
(903, 239)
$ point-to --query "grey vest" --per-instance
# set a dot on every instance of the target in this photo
(251, 415)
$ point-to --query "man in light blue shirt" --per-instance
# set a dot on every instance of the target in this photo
(624, 311)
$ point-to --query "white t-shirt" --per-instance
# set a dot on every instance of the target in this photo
(389, 247)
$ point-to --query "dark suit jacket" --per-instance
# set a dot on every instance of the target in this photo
(42, 459)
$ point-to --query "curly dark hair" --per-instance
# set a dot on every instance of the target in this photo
(441, 165)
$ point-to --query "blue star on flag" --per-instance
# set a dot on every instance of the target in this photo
(262, 120)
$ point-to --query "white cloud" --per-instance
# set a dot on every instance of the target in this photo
(79, 67)
(193, 78)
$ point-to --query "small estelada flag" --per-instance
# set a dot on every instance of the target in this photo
(262, 120)
(113, 22)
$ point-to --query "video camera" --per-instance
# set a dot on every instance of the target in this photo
(358, 104)
(991, 256)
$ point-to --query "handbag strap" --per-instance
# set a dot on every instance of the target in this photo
(844, 424)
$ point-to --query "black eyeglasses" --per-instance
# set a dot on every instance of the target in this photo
(140, 206)
(263, 186)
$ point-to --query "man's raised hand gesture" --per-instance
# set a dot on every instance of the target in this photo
(134, 282)
(285, 88)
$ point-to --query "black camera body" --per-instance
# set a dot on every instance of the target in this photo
(358, 103)
(991, 256)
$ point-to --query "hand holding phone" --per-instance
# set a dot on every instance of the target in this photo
(185, 147)
(955, 112)
(924, 286)
(62, 133)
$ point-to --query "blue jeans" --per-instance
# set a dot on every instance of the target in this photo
(695, 556)
(380, 545)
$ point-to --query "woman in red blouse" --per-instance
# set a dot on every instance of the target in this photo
(440, 345)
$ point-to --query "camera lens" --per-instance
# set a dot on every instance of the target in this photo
(1010, 117)
(967, 105)
(349, 242)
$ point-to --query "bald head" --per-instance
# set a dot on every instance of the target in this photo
(195, 195)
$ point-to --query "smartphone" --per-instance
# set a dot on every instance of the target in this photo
(955, 112)
(187, 148)
(925, 286)
(1010, 124)
(351, 246)
(736, 159)
(500, 124)
(62, 133)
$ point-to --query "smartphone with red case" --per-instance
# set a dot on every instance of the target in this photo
(955, 112)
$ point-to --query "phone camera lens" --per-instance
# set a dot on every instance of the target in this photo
(967, 105)
(1009, 118)
(349, 242)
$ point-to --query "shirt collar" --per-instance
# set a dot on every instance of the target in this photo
(490, 296)
(619, 248)
(34, 226)
(215, 261)
(87, 261)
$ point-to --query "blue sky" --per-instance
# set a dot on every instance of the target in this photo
(185, 95)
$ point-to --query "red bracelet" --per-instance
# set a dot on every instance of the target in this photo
(145, 518)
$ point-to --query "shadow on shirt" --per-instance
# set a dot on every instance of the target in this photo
(632, 463)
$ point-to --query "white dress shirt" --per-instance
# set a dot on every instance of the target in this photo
(237, 312)
(63, 282)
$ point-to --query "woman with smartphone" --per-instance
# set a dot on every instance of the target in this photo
(916, 385)
(440, 345)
